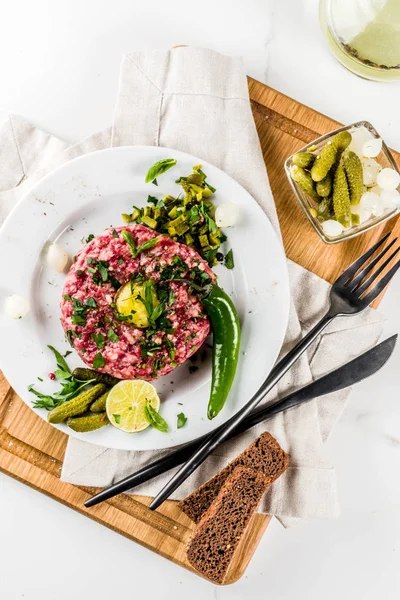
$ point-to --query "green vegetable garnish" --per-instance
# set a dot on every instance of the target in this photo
(159, 168)
(112, 336)
(99, 339)
(229, 262)
(117, 418)
(155, 419)
(181, 420)
(99, 361)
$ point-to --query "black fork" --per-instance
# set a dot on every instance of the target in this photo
(349, 295)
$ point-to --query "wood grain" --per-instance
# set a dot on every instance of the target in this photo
(32, 451)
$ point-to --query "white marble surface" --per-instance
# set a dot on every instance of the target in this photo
(59, 65)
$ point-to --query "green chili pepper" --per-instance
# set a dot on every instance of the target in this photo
(226, 331)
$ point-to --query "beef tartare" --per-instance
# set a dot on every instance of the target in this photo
(123, 310)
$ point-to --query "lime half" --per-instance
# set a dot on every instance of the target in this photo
(126, 403)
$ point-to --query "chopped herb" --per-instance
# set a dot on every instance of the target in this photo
(115, 283)
(181, 420)
(102, 268)
(173, 364)
(210, 222)
(68, 297)
(67, 353)
(90, 303)
(120, 260)
(78, 319)
(193, 369)
(99, 339)
(69, 335)
(229, 262)
(99, 361)
(159, 168)
(114, 234)
(40, 379)
(89, 238)
(112, 336)
(117, 419)
(130, 241)
(79, 272)
(147, 245)
(155, 419)
(152, 200)
(155, 182)
(91, 270)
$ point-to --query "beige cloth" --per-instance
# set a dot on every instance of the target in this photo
(196, 100)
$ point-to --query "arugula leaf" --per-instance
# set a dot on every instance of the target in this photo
(112, 336)
(99, 361)
(130, 241)
(155, 419)
(60, 374)
(229, 262)
(61, 362)
(159, 168)
(181, 420)
(99, 339)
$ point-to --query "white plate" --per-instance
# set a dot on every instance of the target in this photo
(89, 194)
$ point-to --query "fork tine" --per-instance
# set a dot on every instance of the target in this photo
(374, 293)
(354, 283)
(353, 268)
(363, 288)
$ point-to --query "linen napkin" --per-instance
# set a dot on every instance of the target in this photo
(196, 100)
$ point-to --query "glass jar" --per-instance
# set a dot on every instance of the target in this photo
(385, 160)
(364, 35)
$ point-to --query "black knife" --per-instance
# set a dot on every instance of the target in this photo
(356, 370)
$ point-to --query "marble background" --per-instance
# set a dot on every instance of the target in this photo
(59, 64)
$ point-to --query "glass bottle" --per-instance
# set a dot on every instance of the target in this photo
(364, 35)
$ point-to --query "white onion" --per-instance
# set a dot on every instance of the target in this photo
(388, 179)
(390, 199)
(332, 228)
(227, 215)
(372, 148)
(371, 169)
(57, 258)
(16, 306)
(361, 212)
(372, 203)
(359, 137)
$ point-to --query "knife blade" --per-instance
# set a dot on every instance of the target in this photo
(349, 374)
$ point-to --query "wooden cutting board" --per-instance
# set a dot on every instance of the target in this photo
(32, 451)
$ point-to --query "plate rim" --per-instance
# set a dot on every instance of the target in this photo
(284, 274)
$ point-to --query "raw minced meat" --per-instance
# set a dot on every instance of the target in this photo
(93, 325)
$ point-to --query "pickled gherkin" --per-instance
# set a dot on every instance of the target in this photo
(303, 159)
(99, 405)
(325, 209)
(329, 155)
(77, 405)
(354, 172)
(303, 179)
(84, 374)
(341, 198)
(324, 187)
(88, 422)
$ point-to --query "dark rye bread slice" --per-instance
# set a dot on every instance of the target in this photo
(219, 531)
(264, 455)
